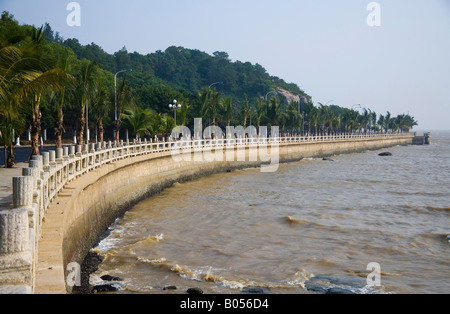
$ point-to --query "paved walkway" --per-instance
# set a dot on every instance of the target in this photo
(6, 190)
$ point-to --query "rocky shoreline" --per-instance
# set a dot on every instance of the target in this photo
(321, 284)
(110, 283)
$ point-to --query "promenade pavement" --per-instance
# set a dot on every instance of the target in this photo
(6, 190)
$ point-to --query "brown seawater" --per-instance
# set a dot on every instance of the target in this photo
(308, 227)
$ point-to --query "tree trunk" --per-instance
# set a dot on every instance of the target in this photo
(35, 128)
(6, 155)
(117, 129)
(59, 128)
(100, 130)
(60, 124)
(11, 160)
(80, 133)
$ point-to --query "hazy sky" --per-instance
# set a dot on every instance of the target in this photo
(324, 46)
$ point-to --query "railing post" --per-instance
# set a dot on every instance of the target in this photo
(16, 269)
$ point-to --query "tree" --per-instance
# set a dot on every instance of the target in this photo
(161, 124)
(313, 117)
(125, 100)
(10, 124)
(138, 121)
(294, 118)
(64, 65)
(210, 104)
(86, 87)
(184, 113)
(259, 114)
(228, 108)
(246, 111)
(351, 120)
(274, 111)
(45, 79)
(101, 107)
(326, 117)
(374, 121)
(24, 77)
(381, 122)
(387, 122)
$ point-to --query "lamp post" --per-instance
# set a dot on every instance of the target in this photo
(174, 106)
(215, 84)
(115, 93)
(265, 98)
(357, 106)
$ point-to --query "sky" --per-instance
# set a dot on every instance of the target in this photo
(400, 65)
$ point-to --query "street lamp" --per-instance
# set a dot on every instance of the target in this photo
(174, 106)
(115, 92)
(215, 84)
(265, 98)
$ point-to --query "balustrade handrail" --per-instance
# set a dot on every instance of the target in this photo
(62, 166)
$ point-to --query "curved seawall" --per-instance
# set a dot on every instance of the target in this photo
(102, 185)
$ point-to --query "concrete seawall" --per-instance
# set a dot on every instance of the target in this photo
(89, 201)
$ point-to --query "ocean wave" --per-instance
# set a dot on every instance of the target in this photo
(295, 221)
(434, 208)
(146, 241)
(300, 278)
(422, 240)
(418, 193)
(156, 261)
(211, 274)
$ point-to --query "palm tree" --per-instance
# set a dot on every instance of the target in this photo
(259, 114)
(228, 108)
(326, 116)
(409, 123)
(365, 119)
(274, 111)
(125, 99)
(10, 124)
(12, 75)
(335, 124)
(101, 107)
(184, 113)
(166, 124)
(294, 118)
(246, 111)
(64, 65)
(387, 122)
(87, 85)
(351, 120)
(381, 120)
(24, 77)
(210, 100)
(374, 121)
(313, 117)
(228, 113)
(138, 121)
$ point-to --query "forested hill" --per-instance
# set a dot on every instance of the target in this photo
(184, 69)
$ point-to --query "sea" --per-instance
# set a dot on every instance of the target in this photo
(358, 223)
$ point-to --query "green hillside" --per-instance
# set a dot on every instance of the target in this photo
(68, 89)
